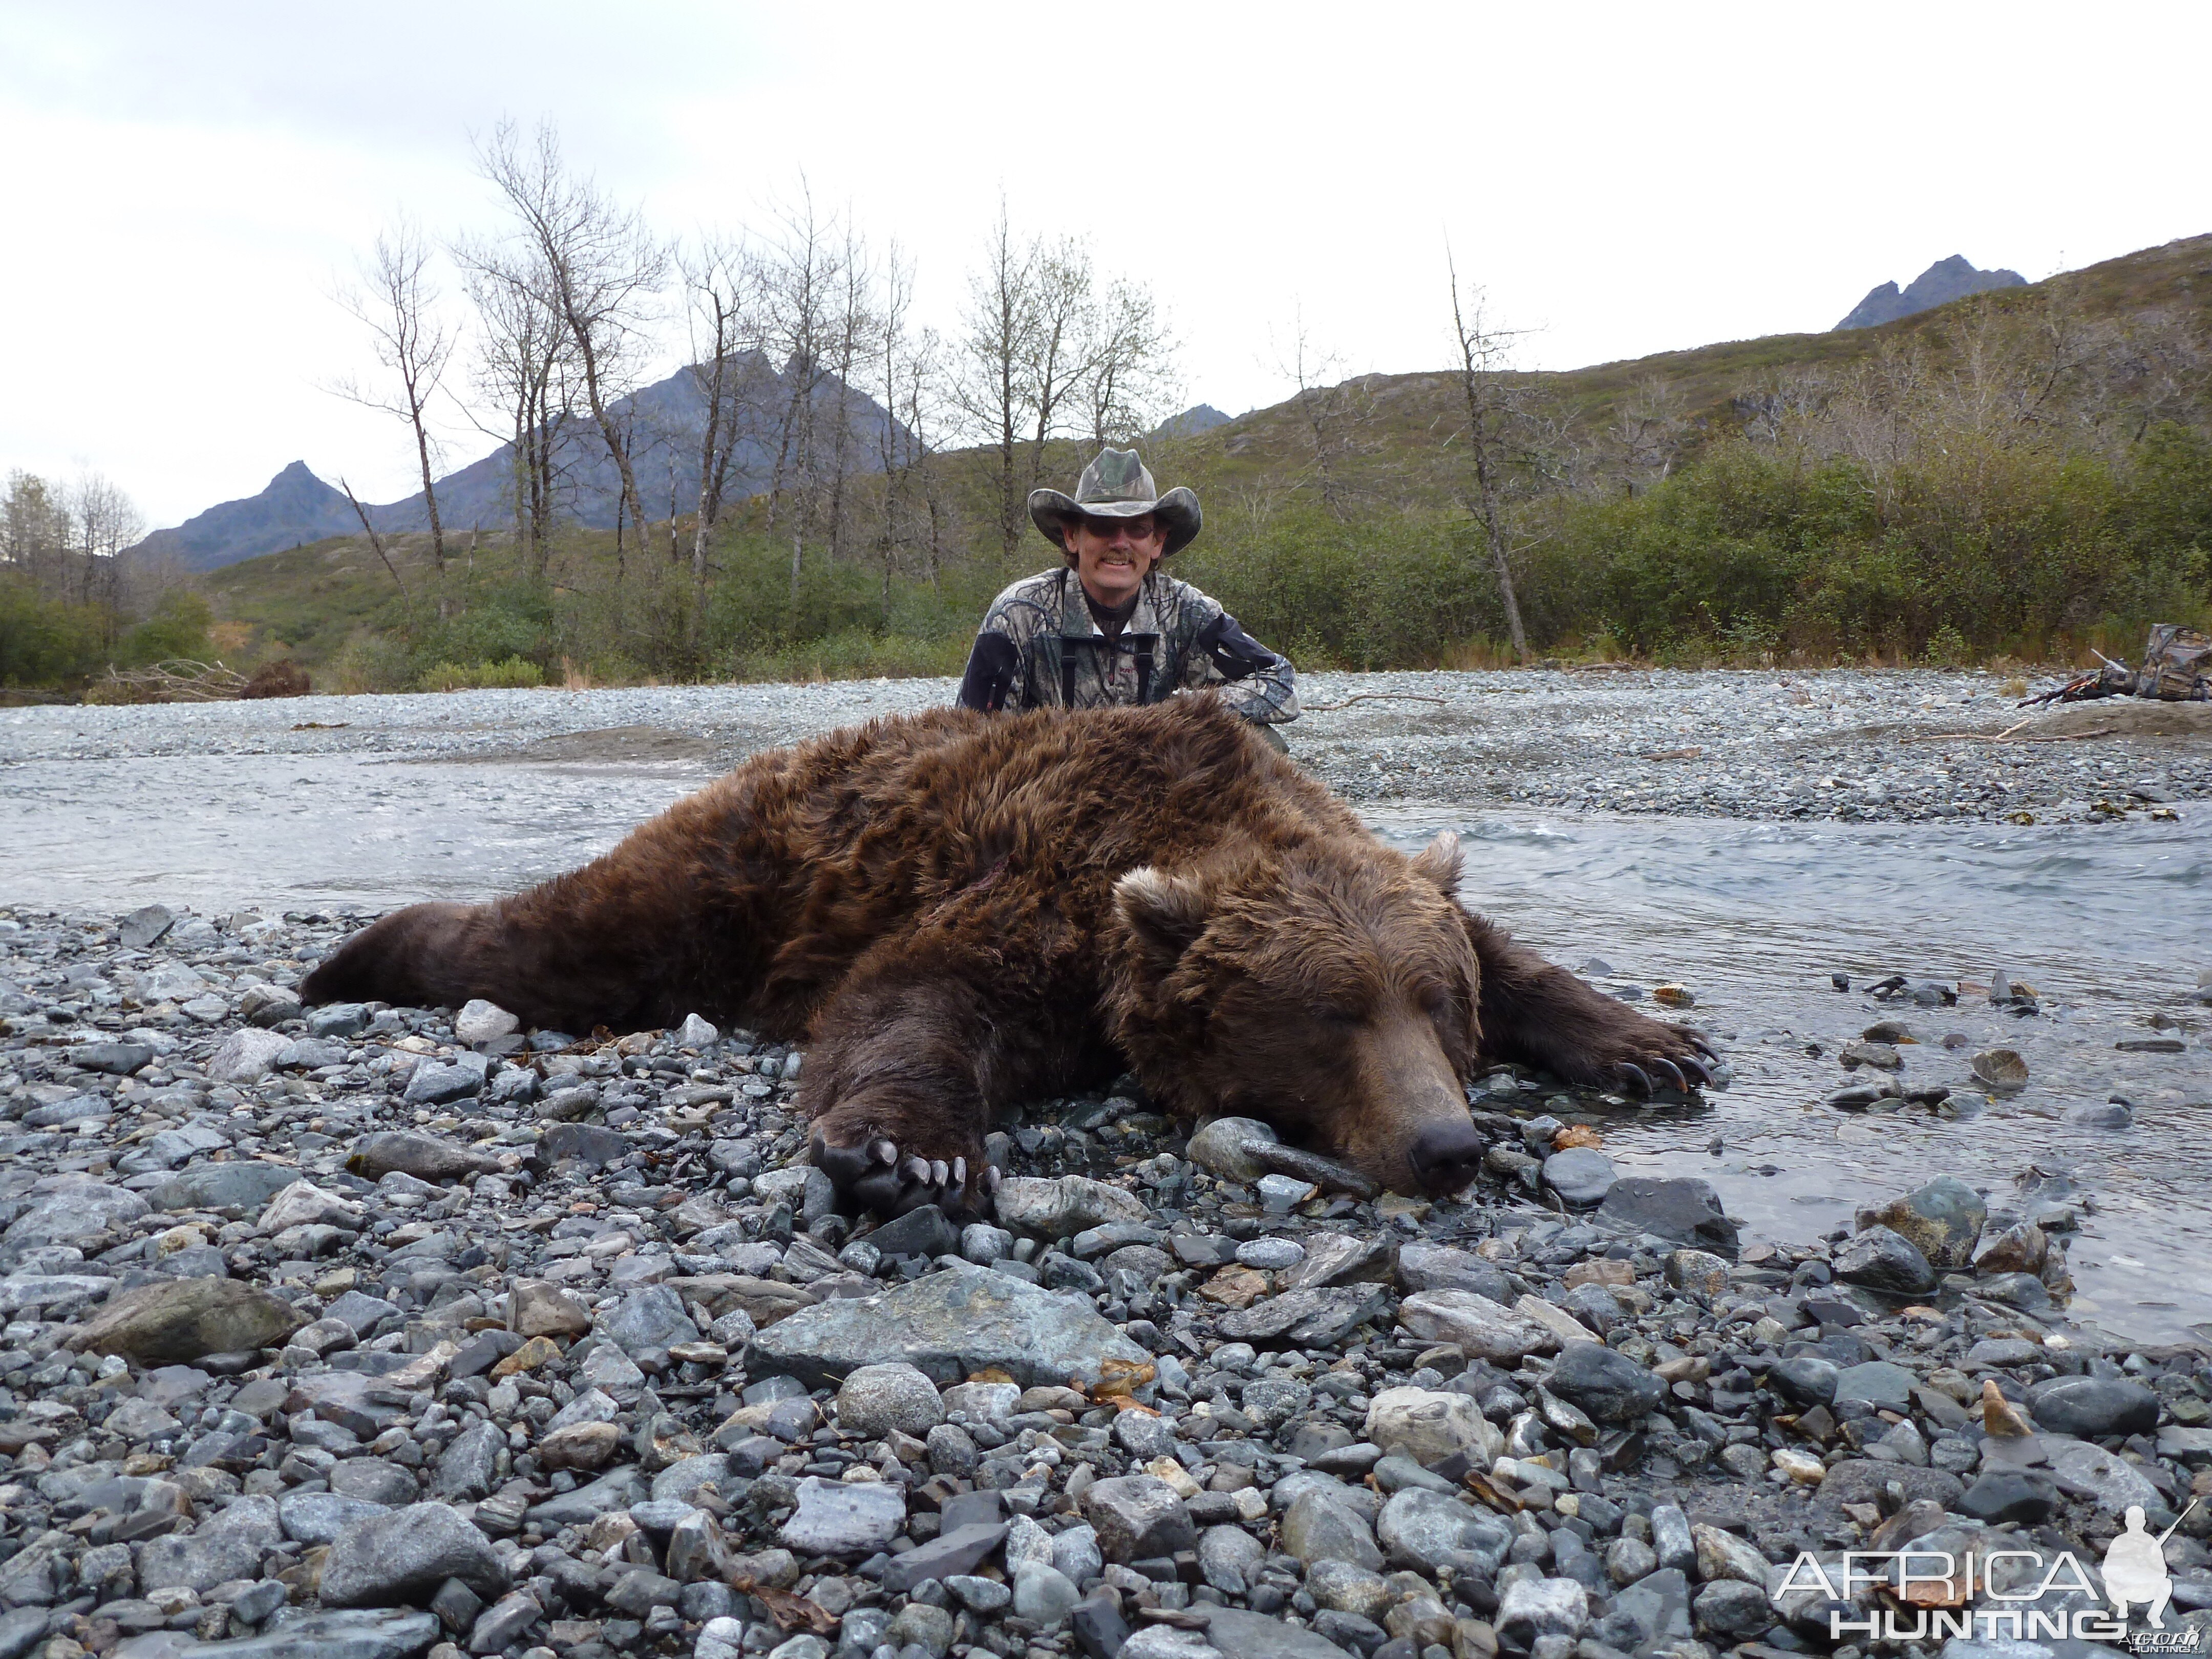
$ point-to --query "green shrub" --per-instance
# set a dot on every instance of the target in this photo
(47, 642)
(178, 628)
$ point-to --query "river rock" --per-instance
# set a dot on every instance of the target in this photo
(175, 1321)
(536, 1308)
(1219, 1148)
(876, 1399)
(2094, 1407)
(2021, 1248)
(1440, 1268)
(648, 1319)
(1805, 1380)
(1942, 1220)
(400, 1558)
(303, 1204)
(1425, 1530)
(1732, 1610)
(1239, 1633)
(2111, 1480)
(1317, 1526)
(1060, 1208)
(246, 1055)
(1533, 1608)
(228, 1545)
(1581, 1176)
(424, 1157)
(1138, 1517)
(1480, 1328)
(1885, 1260)
(479, 1021)
(74, 1210)
(317, 1517)
(2002, 1069)
(1320, 1317)
(1043, 1594)
(947, 1325)
(145, 925)
(844, 1517)
(441, 1082)
(352, 1633)
(240, 1187)
(1608, 1385)
(1680, 1207)
(1429, 1426)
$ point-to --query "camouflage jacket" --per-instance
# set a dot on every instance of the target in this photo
(1040, 648)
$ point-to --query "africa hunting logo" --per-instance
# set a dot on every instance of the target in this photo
(1933, 1594)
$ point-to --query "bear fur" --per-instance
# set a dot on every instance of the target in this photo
(958, 911)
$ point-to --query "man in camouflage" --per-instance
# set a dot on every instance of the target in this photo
(1109, 628)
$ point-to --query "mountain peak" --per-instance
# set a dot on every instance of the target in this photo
(1941, 282)
(1198, 417)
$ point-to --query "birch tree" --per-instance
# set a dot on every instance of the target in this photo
(602, 271)
(1491, 406)
(396, 297)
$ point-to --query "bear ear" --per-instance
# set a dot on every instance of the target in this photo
(1166, 913)
(1439, 862)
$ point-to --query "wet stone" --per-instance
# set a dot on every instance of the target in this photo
(1682, 1208)
(1882, 1260)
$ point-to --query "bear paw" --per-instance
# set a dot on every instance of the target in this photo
(875, 1175)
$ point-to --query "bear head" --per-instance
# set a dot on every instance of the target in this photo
(1329, 987)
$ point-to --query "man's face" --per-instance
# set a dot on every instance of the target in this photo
(1112, 555)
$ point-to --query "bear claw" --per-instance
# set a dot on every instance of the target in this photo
(1631, 1073)
(877, 1177)
(1673, 1072)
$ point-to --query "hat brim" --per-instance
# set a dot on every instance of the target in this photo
(1178, 511)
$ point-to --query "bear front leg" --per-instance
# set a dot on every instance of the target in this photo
(1536, 1012)
(892, 1085)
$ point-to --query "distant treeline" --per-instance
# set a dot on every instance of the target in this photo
(2023, 486)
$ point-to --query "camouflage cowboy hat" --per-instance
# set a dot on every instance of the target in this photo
(1116, 485)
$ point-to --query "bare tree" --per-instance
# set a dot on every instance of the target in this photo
(522, 356)
(375, 541)
(721, 290)
(396, 297)
(1333, 408)
(993, 390)
(601, 269)
(1050, 350)
(101, 522)
(1483, 360)
(1648, 426)
(1127, 382)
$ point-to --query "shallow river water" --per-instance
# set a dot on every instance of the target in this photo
(2108, 923)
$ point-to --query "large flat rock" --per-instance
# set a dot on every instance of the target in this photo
(946, 1325)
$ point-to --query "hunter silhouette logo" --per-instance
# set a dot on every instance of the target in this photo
(2003, 1594)
(2135, 1568)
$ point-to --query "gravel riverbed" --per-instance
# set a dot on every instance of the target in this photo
(383, 1332)
(1855, 745)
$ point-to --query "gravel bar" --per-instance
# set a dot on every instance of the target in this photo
(382, 1331)
(1845, 744)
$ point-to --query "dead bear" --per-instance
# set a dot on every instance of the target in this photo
(956, 911)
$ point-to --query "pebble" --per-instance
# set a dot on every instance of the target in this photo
(588, 1373)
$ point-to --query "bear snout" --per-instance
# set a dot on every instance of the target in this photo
(1445, 1157)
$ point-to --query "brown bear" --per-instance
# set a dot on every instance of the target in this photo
(956, 911)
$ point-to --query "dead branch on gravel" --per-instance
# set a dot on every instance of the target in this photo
(179, 680)
(1370, 696)
(2006, 736)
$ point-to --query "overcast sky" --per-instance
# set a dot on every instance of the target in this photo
(187, 183)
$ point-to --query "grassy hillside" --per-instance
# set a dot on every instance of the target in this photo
(2026, 471)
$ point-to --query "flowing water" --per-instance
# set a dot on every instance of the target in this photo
(2108, 923)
